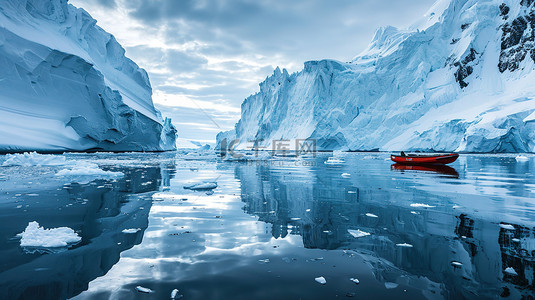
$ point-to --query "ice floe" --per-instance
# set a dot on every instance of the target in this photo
(29, 159)
(320, 280)
(522, 158)
(405, 245)
(357, 233)
(39, 237)
(371, 215)
(131, 230)
(507, 226)
(421, 205)
(391, 285)
(144, 290)
(88, 169)
(201, 186)
(355, 280)
(510, 271)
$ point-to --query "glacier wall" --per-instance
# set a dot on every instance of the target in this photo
(65, 84)
(459, 79)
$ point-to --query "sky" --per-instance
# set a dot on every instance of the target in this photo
(204, 57)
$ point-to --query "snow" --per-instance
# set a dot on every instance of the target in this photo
(320, 280)
(132, 230)
(67, 85)
(202, 186)
(36, 236)
(144, 290)
(357, 233)
(401, 93)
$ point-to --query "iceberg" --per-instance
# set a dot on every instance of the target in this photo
(66, 85)
(460, 79)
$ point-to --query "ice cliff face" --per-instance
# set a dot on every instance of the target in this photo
(460, 79)
(65, 84)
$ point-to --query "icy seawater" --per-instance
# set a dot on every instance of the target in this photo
(188, 225)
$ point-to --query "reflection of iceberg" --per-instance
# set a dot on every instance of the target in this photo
(327, 211)
(98, 214)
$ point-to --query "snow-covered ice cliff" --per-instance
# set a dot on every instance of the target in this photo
(65, 84)
(459, 79)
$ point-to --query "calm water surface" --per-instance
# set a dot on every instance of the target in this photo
(272, 227)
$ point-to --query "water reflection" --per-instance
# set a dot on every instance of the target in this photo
(98, 211)
(440, 169)
(453, 255)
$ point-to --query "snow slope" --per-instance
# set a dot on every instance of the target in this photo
(65, 84)
(459, 79)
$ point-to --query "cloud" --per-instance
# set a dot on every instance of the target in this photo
(216, 52)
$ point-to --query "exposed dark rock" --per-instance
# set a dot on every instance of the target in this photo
(518, 40)
(464, 68)
(504, 10)
(464, 26)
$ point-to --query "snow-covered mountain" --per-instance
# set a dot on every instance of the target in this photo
(65, 84)
(461, 78)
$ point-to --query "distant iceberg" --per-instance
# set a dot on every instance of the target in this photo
(65, 84)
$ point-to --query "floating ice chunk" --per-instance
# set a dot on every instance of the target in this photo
(295, 219)
(307, 210)
(201, 186)
(320, 280)
(144, 290)
(456, 206)
(175, 295)
(421, 205)
(131, 230)
(351, 192)
(516, 240)
(36, 236)
(510, 271)
(29, 159)
(355, 280)
(357, 233)
(391, 285)
(371, 215)
(404, 245)
(88, 169)
(507, 226)
(415, 213)
(522, 158)
(264, 261)
(456, 263)
(334, 161)
(346, 175)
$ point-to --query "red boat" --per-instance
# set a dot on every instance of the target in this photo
(425, 159)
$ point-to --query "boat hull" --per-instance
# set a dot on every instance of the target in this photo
(441, 159)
